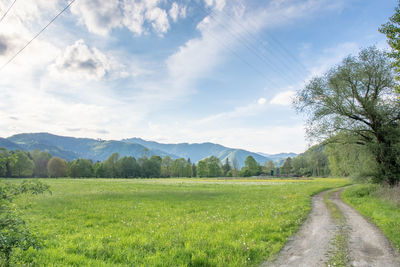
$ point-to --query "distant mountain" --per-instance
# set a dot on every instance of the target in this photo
(8, 144)
(197, 152)
(71, 148)
(278, 156)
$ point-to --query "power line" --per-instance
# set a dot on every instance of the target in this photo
(5, 14)
(42, 30)
(243, 39)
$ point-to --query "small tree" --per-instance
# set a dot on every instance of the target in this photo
(226, 167)
(287, 166)
(251, 167)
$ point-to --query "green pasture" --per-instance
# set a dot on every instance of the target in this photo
(165, 222)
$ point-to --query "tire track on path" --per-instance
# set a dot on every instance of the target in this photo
(367, 244)
(309, 245)
(313, 244)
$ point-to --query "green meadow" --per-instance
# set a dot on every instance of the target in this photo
(165, 222)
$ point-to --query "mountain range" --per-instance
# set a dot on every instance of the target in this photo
(70, 148)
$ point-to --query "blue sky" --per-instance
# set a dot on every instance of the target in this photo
(176, 71)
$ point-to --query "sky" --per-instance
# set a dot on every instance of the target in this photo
(172, 71)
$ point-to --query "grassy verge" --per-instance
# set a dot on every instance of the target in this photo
(166, 222)
(338, 255)
(379, 205)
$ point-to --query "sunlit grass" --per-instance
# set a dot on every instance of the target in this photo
(167, 222)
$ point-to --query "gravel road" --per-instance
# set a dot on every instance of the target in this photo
(310, 246)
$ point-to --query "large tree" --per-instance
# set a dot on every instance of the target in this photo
(392, 31)
(356, 100)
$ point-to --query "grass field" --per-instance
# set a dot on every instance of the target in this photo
(166, 222)
(372, 202)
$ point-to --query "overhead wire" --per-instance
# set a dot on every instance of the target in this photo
(212, 35)
(248, 44)
(9, 8)
(280, 48)
(37, 35)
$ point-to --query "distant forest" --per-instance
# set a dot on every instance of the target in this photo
(320, 161)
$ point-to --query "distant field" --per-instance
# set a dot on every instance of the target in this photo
(167, 222)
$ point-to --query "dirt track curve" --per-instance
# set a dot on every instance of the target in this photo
(310, 246)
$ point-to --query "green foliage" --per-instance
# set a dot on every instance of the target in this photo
(351, 160)
(313, 162)
(392, 31)
(3, 162)
(166, 165)
(384, 213)
(269, 168)
(110, 166)
(14, 232)
(128, 167)
(167, 222)
(209, 167)
(226, 168)
(80, 168)
(357, 99)
(57, 167)
(181, 168)
(251, 167)
(40, 159)
(287, 166)
(21, 165)
(150, 168)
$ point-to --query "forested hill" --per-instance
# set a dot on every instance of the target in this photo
(200, 151)
(70, 148)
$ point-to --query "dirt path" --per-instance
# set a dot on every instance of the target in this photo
(367, 245)
(308, 247)
(312, 244)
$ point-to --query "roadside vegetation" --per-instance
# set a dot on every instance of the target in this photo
(162, 222)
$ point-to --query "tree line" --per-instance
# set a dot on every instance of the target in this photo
(41, 164)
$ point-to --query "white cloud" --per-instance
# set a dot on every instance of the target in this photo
(217, 4)
(98, 16)
(101, 17)
(158, 19)
(253, 109)
(83, 62)
(262, 101)
(284, 98)
(177, 12)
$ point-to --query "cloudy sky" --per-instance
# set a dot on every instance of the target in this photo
(220, 71)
